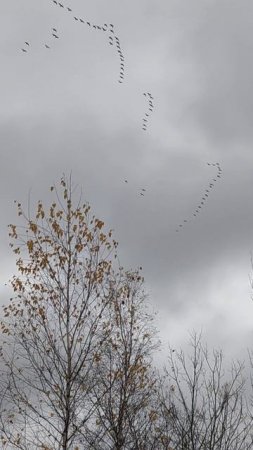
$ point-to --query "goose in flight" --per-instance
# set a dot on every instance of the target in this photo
(27, 43)
(47, 46)
(24, 50)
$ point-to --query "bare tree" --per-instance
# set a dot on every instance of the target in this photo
(124, 394)
(202, 407)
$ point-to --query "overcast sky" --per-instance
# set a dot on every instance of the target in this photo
(62, 109)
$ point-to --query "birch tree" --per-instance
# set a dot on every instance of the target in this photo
(51, 327)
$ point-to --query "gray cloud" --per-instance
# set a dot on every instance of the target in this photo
(62, 109)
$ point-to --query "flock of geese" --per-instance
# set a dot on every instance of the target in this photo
(27, 44)
(145, 119)
(114, 40)
(142, 190)
(205, 196)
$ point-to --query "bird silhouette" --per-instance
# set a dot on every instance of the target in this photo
(47, 46)
(57, 37)
(69, 9)
(27, 43)
(54, 29)
(24, 50)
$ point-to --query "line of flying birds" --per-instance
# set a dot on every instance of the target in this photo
(204, 197)
(145, 119)
(105, 28)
